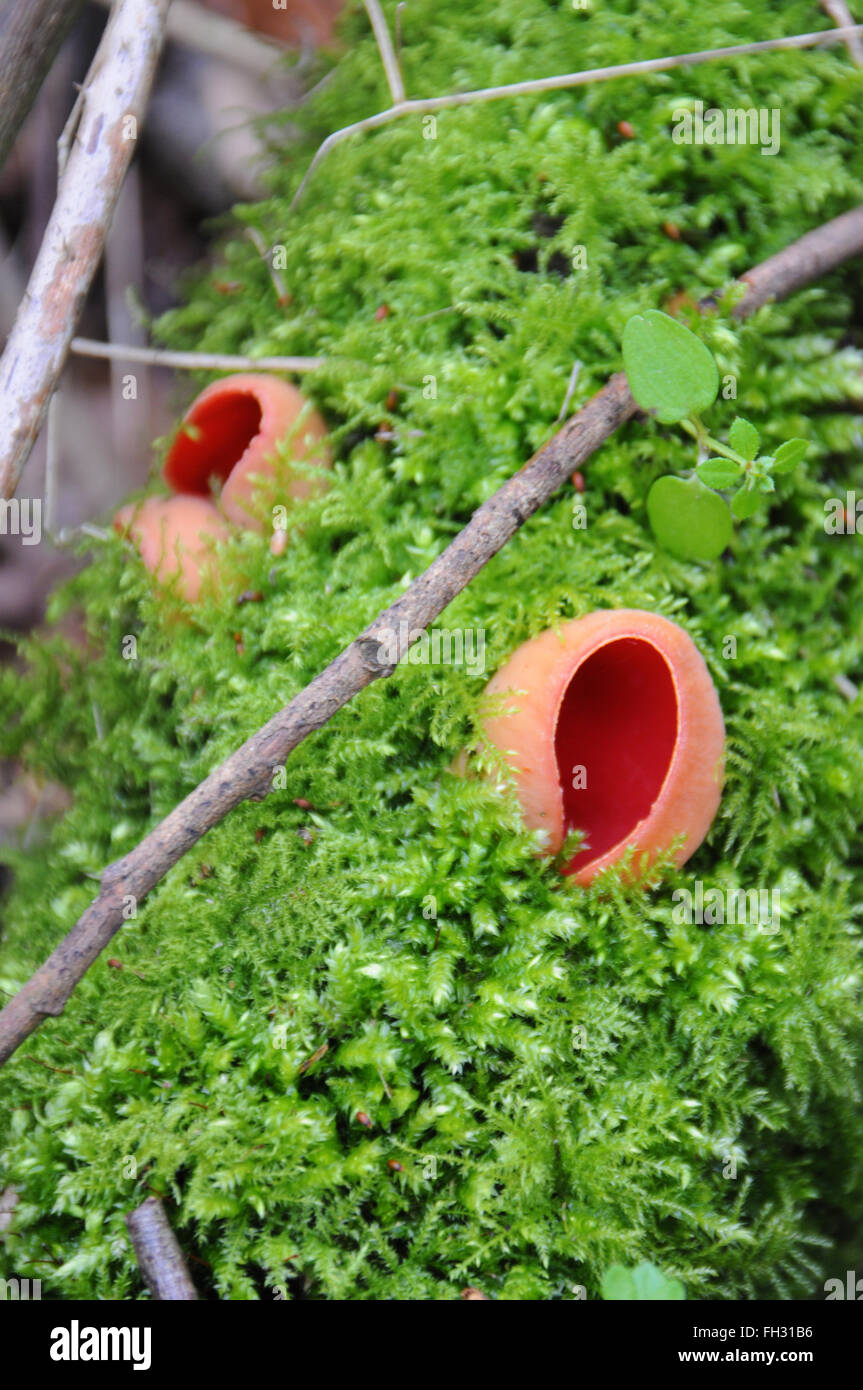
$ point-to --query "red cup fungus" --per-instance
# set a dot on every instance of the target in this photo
(176, 537)
(613, 727)
(230, 432)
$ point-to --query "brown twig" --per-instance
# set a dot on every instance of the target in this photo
(30, 36)
(158, 1254)
(248, 772)
(802, 262)
(111, 105)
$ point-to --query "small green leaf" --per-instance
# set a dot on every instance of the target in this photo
(789, 454)
(745, 503)
(719, 472)
(688, 519)
(744, 438)
(644, 1283)
(670, 371)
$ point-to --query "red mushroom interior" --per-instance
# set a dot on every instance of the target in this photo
(212, 440)
(618, 721)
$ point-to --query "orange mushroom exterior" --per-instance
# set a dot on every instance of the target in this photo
(176, 537)
(230, 432)
(615, 730)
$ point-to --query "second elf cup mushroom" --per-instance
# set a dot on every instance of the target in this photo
(230, 434)
(231, 431)
(612, 726)
(177, 539)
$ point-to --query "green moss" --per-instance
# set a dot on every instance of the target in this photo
(566, 1078)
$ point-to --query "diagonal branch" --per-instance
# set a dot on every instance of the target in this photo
(112, 104)
(248, 772)
(425, 106)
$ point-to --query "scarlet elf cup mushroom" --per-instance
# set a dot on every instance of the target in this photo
(612, 726)
(230, 435)
(177, 538)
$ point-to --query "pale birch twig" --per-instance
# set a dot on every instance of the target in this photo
(427, 105)
(114, 101)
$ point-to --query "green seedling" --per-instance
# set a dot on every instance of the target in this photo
(673, 376)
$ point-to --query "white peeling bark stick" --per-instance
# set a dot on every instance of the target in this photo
(109, 109)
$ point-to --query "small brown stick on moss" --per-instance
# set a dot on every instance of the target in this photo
(100, 143)
(159, 1256)
(248, 772)
(802, 262)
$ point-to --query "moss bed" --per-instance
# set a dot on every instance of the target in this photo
(551, 1080)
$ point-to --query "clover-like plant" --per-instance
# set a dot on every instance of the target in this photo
(674, 377)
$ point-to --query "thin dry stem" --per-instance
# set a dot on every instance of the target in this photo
(193, 361)
(428, 105)
(387, 52)
(570, 392)
(282, 293)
